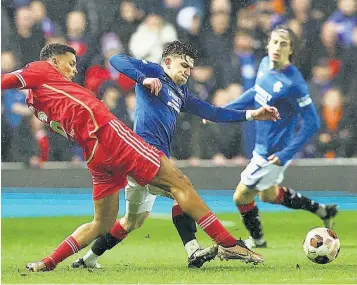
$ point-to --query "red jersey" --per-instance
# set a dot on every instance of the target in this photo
(66, 107)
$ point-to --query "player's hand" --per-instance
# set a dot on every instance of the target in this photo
(154, 84)
(273, 159)
(266, 113)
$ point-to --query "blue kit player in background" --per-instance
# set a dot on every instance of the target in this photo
(161, 94)
(279, 83)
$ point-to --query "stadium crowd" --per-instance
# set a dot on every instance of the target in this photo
(230, 37)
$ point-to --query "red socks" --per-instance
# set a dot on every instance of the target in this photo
(66, 248)
(118, 231)
(213, 227)
(246, 208)
(42, 140)
(176, 211)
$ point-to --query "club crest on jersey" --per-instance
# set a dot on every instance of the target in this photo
(277, 86)
(42, 116)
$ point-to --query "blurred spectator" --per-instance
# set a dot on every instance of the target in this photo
(189, 28)
(334, 135)
(81, 40)
(114, 99)
(348, 74)
(102, 70)
(39, 13)
(220, 6)
(216, 41)
(241, 66)
(320, 82)
(128, 20)
(29, 37)
(343, 20)
(149, 39)
(170, 9)
(100, 14)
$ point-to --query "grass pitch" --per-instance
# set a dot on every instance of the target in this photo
(154, 254)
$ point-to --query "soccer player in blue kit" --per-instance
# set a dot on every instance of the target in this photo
(161, 94)
(279, 83)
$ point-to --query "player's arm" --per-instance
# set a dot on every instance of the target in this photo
(141, 71)
(196, 106)
(310, 125)
(31, 76)
(244, 101)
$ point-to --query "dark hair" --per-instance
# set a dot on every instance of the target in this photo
(55, 49)
(179, 48)
(292, 37)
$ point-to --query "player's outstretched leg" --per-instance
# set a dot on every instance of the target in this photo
(106, 210)
(171, 179)
(294, 200)
(244, 200)
(186, 228)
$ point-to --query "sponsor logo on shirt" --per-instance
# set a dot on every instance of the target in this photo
(175, 102)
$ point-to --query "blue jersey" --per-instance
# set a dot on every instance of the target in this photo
(288, 92)
(156, 116)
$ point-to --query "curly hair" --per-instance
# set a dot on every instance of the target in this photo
(55, 49)
(179, 48)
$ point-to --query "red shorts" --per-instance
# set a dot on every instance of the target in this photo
(121, 153)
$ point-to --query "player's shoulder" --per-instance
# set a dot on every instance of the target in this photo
(295, 74)
(39, 66)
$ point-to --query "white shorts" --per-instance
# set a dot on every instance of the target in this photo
(140, 199)
(261, 175)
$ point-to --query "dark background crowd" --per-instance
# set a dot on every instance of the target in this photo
(230, 37)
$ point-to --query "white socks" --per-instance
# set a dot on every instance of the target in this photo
(191, 247)
(90, 258)
(321, 211)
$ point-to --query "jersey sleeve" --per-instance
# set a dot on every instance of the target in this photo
(32, 75)
(244, 101)
(196, 106)
(135, 69)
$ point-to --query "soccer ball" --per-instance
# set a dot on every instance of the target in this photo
(321, 245)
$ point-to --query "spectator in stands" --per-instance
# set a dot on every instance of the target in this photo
(334, 135)
(320, 82)
(125, 24)
(100, 15)
(189, 23)
(114, 98)
(348, 74)
(28, 37)
(81, 40)
(170, 9)
(149, 39)
(39, 13)
(101, 70)
(216, 41)
(343, 20)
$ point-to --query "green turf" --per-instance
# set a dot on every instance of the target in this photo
(154, 254)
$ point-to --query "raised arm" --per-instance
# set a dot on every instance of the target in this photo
(33, 75)
(141, 71)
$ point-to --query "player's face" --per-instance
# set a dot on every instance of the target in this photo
(180, 68)
(279, 48)
(66, 65)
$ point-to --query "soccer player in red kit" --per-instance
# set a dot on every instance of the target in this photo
(112, 152)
